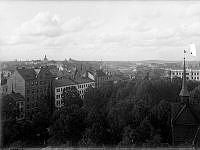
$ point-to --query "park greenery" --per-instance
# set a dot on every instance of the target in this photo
(127, 114)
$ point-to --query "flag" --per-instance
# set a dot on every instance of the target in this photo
(185, 51)
(193, 49)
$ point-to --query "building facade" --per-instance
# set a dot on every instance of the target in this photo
(191, 74)
(34, 84)
(80, 84)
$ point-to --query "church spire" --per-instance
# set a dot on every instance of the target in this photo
(184, 94)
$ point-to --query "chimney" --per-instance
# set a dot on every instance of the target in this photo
(184, 94)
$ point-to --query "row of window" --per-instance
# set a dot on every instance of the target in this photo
(36, 83)
(195, 77)
(66, 88)
(33, 105)
(38, 97)
(180, 73)
(59, 96)
(58, 103)
(36, 91)
(85, 85)
(81, 92)
(79, 86)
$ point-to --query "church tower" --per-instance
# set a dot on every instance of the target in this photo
(184, 94)
(45, 59)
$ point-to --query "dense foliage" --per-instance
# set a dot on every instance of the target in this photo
(130, 113)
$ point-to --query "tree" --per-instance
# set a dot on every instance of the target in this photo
(68, 121)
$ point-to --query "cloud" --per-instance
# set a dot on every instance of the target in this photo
(191, 29)
(43, 24)
(77, 24)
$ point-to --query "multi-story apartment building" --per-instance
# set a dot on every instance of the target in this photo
(81, 84)
(191, 74)
(34, 84)
(59, 86)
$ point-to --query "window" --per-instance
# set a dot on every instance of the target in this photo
(40, 82)
(197, 73)
(28, 91)
(27, 106)
(32, 83)
(27, 99)
(32, 91)
(57, 96)
(197, 77)
(58, 90)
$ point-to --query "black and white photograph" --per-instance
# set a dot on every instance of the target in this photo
(100, 74)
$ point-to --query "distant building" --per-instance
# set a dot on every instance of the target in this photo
(81, 84)
(34, 84)
(45, 59)
(185, 121)
(191, 74)
(13, 106)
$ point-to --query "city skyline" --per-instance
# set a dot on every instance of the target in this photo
(108, 30)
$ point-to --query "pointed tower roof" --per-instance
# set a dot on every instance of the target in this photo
(45, 58)
(184, 91)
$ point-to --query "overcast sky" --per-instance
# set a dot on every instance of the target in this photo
(107, 30)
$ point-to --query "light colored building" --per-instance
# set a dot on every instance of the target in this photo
(59, 86)
(191, 74)
(81, 84)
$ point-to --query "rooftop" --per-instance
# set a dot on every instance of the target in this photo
(63, 82)
(82, 80)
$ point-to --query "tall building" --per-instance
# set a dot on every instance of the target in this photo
(45, 59)
(34, 84)
(185, 121)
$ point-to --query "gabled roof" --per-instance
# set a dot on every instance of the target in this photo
(63, 82)
(16, 96)
(45, 73)
(27, 74)
(30, 74)
(82, 80)
(185, 113)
